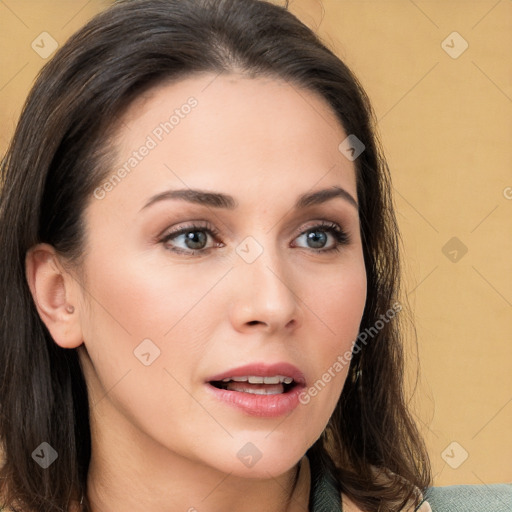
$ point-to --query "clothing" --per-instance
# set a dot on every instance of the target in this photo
(471, 498)
(324, 494)
(325, 497)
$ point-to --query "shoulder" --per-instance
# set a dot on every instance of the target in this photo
(477, 498)
(457, 498)
(347, 505)
(384, 476)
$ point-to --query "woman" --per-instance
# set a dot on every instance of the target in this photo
(200, 259)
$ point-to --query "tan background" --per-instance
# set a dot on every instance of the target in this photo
(446, 126)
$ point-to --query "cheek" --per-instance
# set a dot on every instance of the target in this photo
(338, 305)
(136, 309)
(141, 307)
(140, 299)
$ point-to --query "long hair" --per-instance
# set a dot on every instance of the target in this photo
(58, 156)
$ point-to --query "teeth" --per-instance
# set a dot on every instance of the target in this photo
(263, 391)
(255, 379)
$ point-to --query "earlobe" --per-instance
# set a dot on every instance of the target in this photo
(54, 293)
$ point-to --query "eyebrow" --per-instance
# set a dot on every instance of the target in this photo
(220, 200)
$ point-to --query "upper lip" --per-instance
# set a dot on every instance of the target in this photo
(263, 370)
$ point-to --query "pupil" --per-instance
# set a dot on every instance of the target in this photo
(192, 238)
(313, 237)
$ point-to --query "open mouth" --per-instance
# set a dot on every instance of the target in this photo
(259, 389)
(256, 385)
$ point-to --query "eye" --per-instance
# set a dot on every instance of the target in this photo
(192, 238)
(318, 236)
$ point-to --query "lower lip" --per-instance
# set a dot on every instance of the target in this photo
(269, 406)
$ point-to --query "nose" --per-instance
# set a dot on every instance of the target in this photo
(263, 295)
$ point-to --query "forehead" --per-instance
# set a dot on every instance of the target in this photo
(231, 132)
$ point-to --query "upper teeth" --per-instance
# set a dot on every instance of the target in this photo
(253, 379)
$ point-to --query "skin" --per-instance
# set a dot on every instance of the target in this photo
(160, 442)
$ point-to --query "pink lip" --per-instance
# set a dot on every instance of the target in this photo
(261, 405)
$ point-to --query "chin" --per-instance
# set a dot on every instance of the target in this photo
(261, 455)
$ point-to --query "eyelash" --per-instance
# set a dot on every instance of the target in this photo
(340, 237)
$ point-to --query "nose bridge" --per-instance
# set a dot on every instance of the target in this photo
(264, 283)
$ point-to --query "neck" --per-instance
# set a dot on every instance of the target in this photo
(128, 471)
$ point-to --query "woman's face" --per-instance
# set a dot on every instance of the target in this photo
(182, 290)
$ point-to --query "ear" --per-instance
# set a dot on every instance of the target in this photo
(55, 294)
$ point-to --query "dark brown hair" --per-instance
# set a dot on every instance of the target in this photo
(58, 156)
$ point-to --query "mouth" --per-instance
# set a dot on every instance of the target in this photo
(256, 384)
(259, 389)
